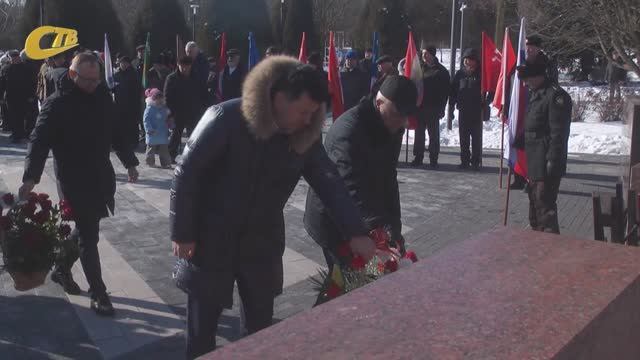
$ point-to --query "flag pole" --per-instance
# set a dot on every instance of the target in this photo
(506, 205)
(501, 150)
(406, 148)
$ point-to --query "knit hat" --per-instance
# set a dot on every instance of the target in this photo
(153, 93)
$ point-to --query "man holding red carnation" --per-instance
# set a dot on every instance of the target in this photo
(236, 174)
(77, 124)
(365, 143)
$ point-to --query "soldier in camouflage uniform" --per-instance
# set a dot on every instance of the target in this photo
(547, 126)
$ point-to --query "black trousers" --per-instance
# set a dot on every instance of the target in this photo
(175, 140)
(17, 117)
(204, 309)
(429, 120)
(543, 209)
(470, 128)
(85, 235)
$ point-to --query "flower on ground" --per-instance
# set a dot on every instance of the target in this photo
(358, 263)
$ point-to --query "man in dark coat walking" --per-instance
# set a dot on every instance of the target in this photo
(77, 124)
(365, 143)
(236, 174)
(18, 86)
(546, 136)
(232, 76)
(355, 82)
(183, 97)
(466, 96)
(127, 96)
(436, 88)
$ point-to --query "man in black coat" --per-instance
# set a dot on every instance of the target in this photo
(236, 174)
(183, 97)
(355, 82)
(546, 136)
(365, 143)
(436, 82)
(199, 72)
(17, 85)
(77, 124)
(232, 76)
(385, 69)
(127, 96)
(466, 96)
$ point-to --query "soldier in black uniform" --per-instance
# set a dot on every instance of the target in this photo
(547, 126)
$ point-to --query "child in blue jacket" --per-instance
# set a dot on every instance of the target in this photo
(157, 123)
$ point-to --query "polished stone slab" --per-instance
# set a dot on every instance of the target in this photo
(505, 294)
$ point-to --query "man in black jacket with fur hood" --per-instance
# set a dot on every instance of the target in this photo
(237, 172)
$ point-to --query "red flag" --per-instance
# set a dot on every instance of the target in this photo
(335, 85)
(491, 60)
(303, 49)
(222, 63)
(413, 71)
(506, 70)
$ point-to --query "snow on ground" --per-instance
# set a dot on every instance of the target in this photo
(585, 137)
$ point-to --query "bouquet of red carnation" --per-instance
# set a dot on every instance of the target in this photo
(352, 272)
(32, 237)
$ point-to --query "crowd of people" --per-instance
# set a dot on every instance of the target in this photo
(247, 153)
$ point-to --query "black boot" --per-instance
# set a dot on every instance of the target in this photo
(417, 162)
(65, 279)
(102, 305)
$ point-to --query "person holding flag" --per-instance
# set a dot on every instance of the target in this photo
(546, 135)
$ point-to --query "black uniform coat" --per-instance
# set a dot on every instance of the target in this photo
(465, 92)
(436, 81)
(366, 155)
(183, 97)
(546, 134)
(355, 85)
(232, 83)
(235, 177)
(80, 130)
(127, 97)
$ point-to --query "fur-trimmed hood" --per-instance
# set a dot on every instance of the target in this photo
(257, 104)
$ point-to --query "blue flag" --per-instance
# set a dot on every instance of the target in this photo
(254, 56)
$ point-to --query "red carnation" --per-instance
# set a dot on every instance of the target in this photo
(43, 197)
(411, 256)
(67, 212)
(41, 217)
(358, 263)
(8, 199)
(5, 223)
(344, 250)
(380, 267)
(391, 265)
(29, 209)
(64, 230)
(46, 205)
(333, 291)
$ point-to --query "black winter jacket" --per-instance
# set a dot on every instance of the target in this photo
(80, 130)
(366, 155)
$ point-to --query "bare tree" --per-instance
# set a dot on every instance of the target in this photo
(10, 11)
(573, 26)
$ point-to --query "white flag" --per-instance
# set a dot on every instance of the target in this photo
(108, 67)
